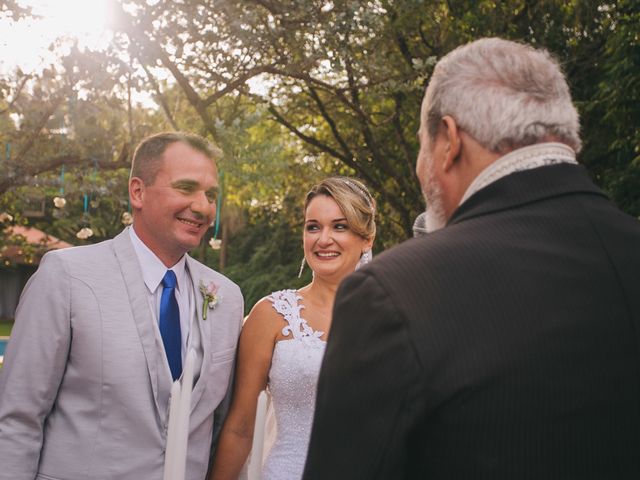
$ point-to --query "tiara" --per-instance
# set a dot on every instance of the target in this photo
(359, 188)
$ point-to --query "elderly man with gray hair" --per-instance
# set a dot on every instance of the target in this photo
(505, 344)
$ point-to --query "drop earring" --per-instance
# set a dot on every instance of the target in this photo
(301, 267)
(365, 258)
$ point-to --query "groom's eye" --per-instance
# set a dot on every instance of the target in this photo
(212, 195)
(185, 186)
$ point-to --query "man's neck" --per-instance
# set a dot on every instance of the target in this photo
(525, 158)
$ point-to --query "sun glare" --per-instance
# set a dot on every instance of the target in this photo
(25, 43)
(79, 18)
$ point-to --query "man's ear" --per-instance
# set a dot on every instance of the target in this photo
(136, 192)
(451, 132)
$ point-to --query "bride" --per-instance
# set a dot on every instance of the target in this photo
(284, 336)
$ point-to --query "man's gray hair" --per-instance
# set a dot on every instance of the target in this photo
(504, 94)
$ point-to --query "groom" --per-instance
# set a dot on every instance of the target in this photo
(505, 344)
(101, 333)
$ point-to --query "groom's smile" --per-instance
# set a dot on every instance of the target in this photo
(192, 223)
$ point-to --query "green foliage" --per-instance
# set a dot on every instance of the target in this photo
(267, 257)
(614, 134)
(346, 77)
(336, 89)
(5, 329)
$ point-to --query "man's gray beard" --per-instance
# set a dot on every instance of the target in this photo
(435, 218)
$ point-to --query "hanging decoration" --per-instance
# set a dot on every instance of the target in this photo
(60, 201)
(216, 243)
(85, 232)
(127, 218)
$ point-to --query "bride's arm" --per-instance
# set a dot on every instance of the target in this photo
(255, 350)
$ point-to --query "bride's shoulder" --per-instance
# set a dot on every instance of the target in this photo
(267, 312)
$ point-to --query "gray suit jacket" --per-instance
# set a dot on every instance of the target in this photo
(83, 389)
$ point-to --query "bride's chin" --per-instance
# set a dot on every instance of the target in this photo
(331, 272)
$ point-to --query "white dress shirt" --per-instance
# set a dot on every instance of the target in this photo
(153, 271)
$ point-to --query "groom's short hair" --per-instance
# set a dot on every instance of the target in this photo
(148, 156)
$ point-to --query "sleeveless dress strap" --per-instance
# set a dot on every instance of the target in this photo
(286, 303)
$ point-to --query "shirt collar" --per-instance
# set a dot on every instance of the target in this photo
(526, 158)
(153, 270)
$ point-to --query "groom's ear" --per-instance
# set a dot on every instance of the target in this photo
(136, 192)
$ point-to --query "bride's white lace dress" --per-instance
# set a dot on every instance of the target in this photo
(292, 382)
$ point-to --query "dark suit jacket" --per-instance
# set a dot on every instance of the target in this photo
(504, 346)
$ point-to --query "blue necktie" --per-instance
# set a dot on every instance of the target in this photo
(170, 324)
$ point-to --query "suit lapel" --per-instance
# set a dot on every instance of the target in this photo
(204, 327)
(142, 316)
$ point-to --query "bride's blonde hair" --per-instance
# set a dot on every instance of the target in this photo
(354, 200)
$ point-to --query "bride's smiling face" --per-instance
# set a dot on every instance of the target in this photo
(331, 248)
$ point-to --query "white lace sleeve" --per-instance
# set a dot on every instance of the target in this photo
(286, 303)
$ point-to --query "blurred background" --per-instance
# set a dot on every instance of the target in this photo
(292, 91)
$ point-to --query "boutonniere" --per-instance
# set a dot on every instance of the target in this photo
(210, 295)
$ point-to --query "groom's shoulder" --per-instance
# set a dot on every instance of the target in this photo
(204, 274)
(82, 254)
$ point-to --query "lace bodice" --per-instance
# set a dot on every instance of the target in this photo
(292, 381)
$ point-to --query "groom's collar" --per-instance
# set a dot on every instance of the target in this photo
(153, 270)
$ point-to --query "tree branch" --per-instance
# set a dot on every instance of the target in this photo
(162, 101)
(409, 154)
(153, 51)
(23, 82)
(373, 182)
(31, 139)
(29, 170)
(330, 122)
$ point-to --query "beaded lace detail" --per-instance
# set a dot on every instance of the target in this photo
(293, 378)
(285, 302)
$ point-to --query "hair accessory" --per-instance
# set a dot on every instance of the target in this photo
(359, 188)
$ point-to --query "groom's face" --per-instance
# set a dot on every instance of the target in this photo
(178, 207)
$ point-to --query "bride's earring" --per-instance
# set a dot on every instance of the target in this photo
(301, 267)
(365, 258)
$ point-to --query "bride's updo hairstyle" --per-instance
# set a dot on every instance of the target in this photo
(353, 198)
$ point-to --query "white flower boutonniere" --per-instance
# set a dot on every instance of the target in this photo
(211, 298)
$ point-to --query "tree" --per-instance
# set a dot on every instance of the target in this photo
(68, 117)
(264, 39)
(293, 91)
(346, 77)
(613, 128)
